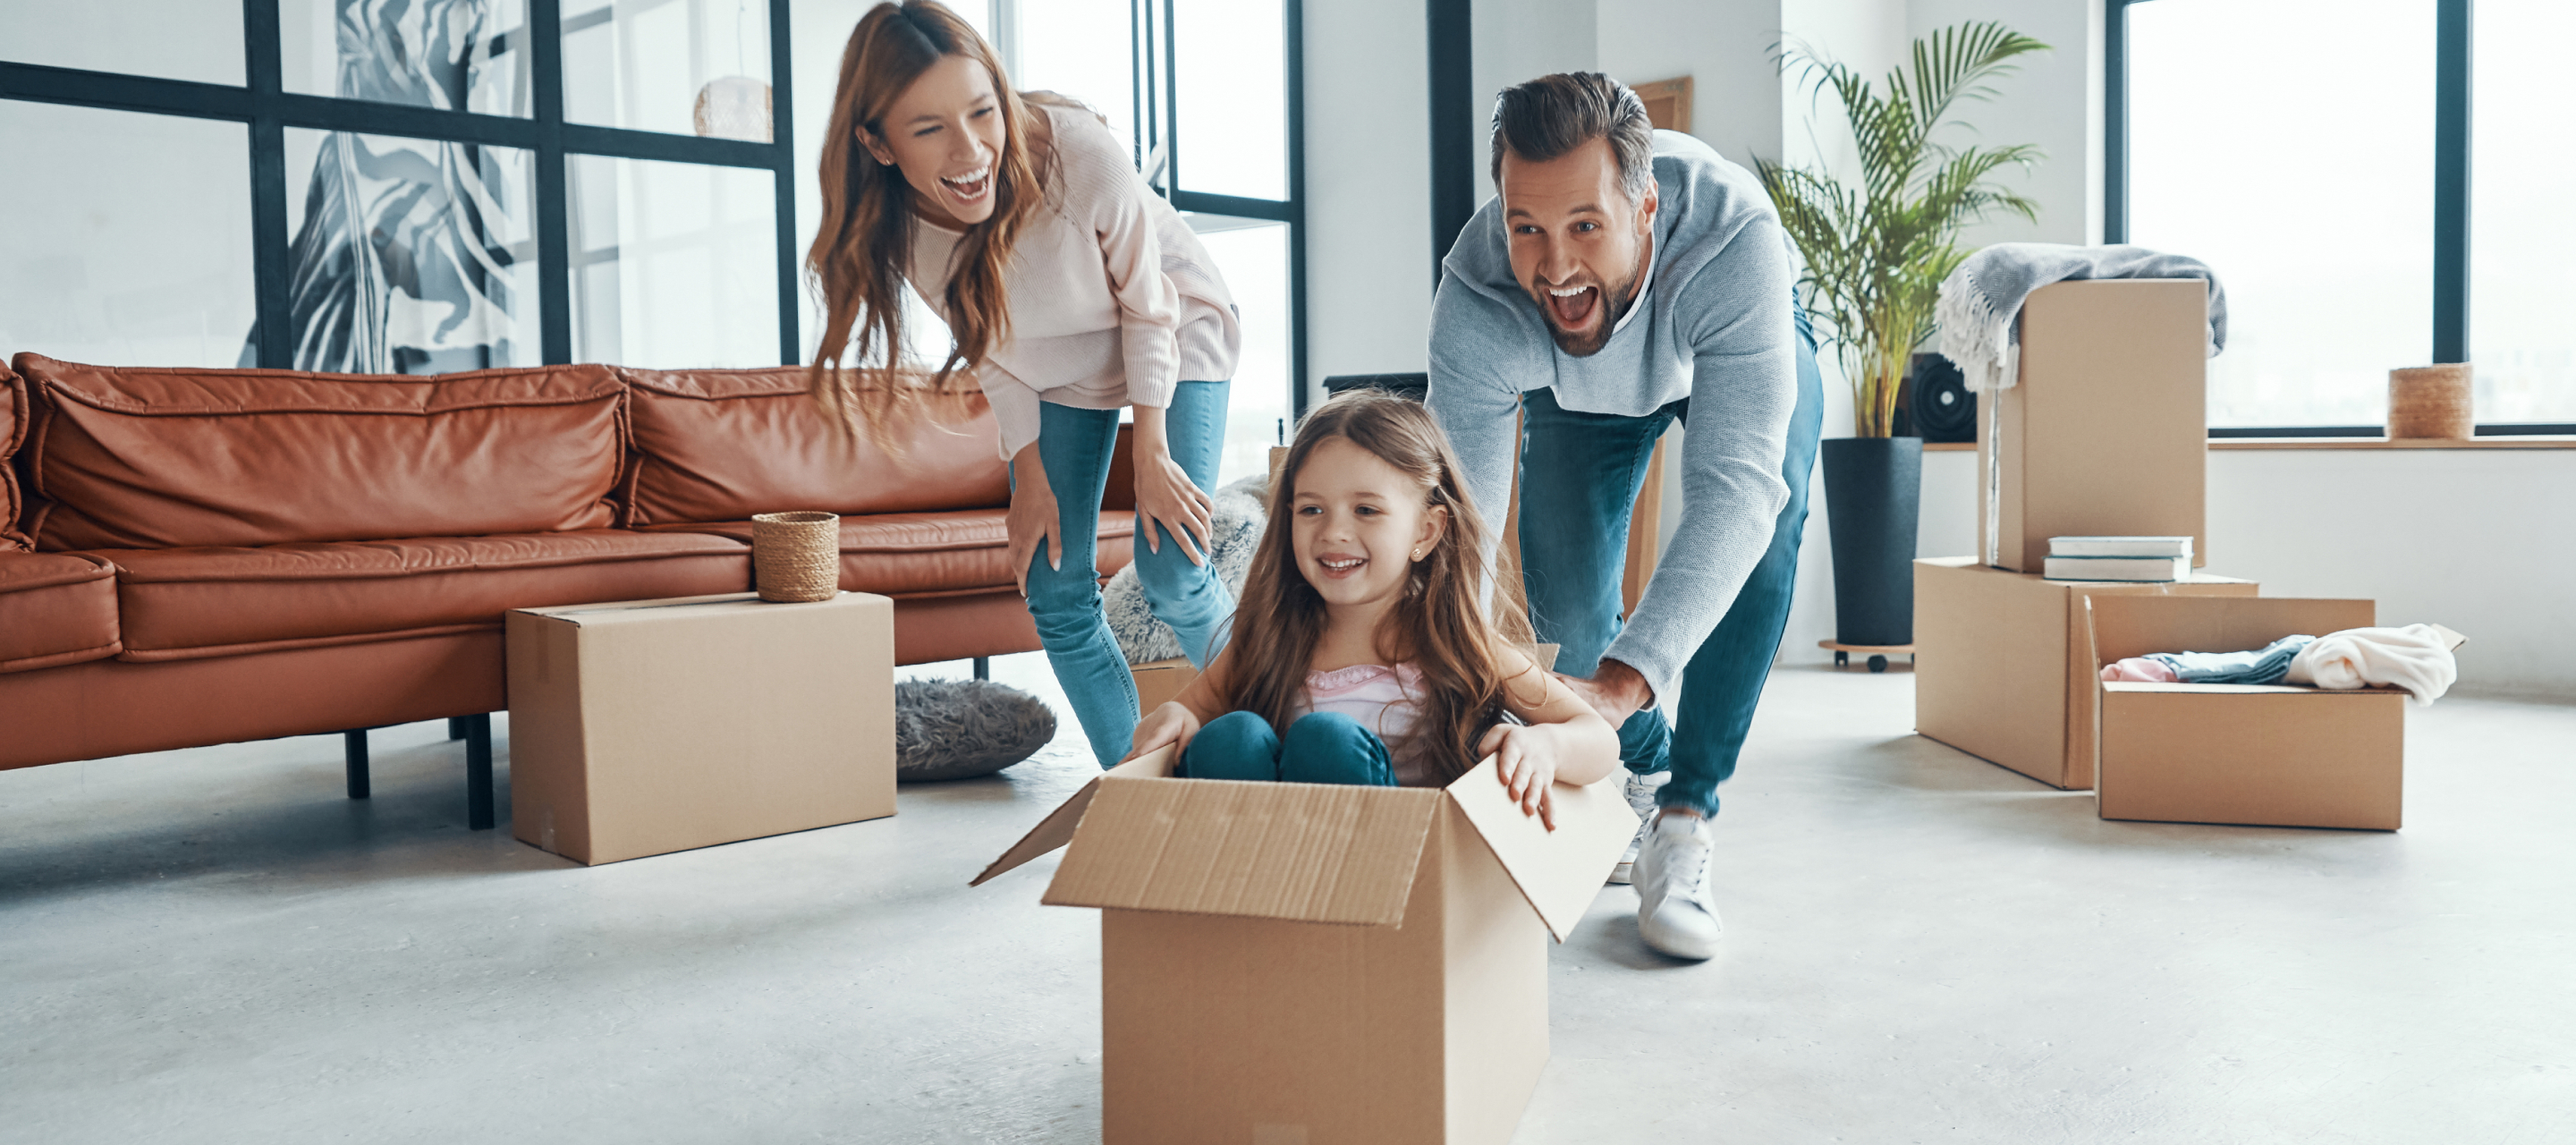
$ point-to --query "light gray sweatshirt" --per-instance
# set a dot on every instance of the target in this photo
(1714, 325)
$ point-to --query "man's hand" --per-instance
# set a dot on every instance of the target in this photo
(1615, 691)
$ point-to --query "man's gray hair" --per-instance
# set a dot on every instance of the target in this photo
(1551, 115)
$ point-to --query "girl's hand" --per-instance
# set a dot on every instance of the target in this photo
(1525, 761)
(1169, 724)
(1032, 520)
(1165, 495)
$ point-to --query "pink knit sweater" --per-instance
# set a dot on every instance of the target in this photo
(1113, 299)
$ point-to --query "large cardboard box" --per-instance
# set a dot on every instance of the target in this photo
(1290, 962)
(2107, 432)
(2233, 753)
(2001, 669)
(661, 725)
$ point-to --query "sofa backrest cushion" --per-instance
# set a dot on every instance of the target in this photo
(13, 429)
(166, 458)
(721, 445)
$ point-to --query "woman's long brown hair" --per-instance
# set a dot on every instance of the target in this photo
(1441, 628)
(865, 240)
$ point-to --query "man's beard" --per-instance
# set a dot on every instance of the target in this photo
(1586, 345)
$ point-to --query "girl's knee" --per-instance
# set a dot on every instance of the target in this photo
(1329, 747)
(1236, 745)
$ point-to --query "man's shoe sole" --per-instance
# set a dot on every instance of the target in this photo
(1621, 874)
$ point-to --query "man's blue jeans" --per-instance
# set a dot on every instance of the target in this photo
(1075, 446)
(1321, 747)
(1579, 478)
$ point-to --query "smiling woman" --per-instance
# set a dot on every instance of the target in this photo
(1071, 292)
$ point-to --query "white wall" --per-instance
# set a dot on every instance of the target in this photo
(2054, 101)
(1368, 190)
(1519, 40)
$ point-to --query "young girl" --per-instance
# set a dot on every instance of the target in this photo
(1072, 290)
(1362, 653)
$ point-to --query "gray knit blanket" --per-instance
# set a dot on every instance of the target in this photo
(1981, 300)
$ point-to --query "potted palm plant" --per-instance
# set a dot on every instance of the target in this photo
(1876, 251)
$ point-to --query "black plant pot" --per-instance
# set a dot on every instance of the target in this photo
(1873, 501)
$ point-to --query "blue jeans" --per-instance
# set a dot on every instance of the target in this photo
(1321, 747)
(1075, 446)
(1579, 477)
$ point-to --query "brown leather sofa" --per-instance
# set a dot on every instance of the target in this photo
(193, 556)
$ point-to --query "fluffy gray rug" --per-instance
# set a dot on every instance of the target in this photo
(1241, 512)
(958, 729)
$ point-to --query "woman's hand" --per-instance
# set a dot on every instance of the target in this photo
(1165, 495)
(1169, 724)
(1032, 520)
(1525, 760)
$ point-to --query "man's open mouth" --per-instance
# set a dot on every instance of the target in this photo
(1572, 306)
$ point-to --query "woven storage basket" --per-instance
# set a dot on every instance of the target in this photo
(2430, 401)
(796, 556)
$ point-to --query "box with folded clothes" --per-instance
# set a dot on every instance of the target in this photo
(2106, 429)
(2283, 754)
(1312, 962)
(1999, 662)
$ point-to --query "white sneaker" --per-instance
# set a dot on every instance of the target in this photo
(1673, 911)
(1641, 799)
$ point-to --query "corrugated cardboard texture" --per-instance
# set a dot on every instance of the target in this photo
(2219, 753)
(2106, 433)
(2284, 757)
(2002, 665)
(1258, 1030)
(1161, 681)
(659, 726)
(1559, 872)
(1308, 852)
(1057, 828)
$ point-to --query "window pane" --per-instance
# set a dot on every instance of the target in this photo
(456, 55)
(410, 256)
(1253, 257)
(689, 67)
(1080, 48)
(112, 262)
(674, 265)
(2522, 269)
(1233, 98)
(2291, 148)
(176, 39)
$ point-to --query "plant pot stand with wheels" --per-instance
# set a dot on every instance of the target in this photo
(1877, 653)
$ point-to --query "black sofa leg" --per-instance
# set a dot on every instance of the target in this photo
(353, 744)
(983, 667)
(478, 771)
(456, 727)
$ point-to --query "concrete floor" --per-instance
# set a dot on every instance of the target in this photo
(212, 945)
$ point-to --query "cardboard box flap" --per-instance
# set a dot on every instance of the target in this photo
(1560, 872)
(1303, 852)
(2125, 626)
(1057, 828)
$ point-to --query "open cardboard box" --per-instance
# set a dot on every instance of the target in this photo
(1293, 962)
(2274, 755)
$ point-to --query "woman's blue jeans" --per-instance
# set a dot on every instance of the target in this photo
(1075, 447)
(1580, 473)
(1321, 747)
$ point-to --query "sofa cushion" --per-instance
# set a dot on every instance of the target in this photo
(179, 604)
(167, 458)
(723, 445)
(13, 428)
(55, 609)
(910, 554)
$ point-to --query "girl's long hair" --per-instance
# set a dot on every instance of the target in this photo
(1440, 628)
(865, 241)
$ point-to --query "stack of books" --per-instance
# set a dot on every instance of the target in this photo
(2134, 559)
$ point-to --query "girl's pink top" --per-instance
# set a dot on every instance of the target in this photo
(1382, 699)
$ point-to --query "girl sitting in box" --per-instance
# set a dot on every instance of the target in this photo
(1362, 650)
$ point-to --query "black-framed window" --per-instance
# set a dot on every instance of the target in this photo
(418, 187)
(2377, 187)
(451, 184)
